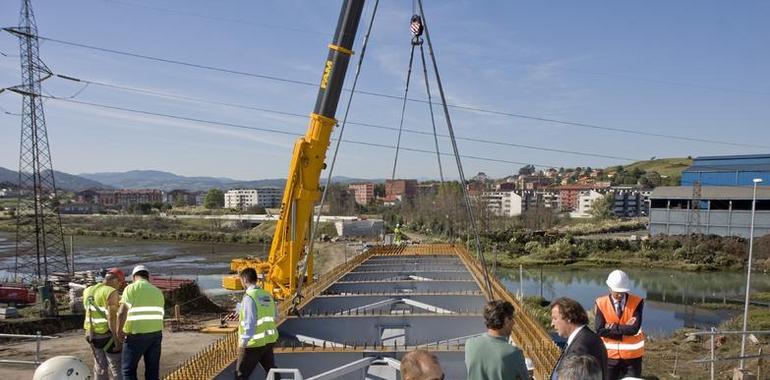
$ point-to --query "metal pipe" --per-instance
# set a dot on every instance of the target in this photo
(11, 361)
(712, 354)
(20, 336)
(37, 347)
(732, 332)
(748, 272)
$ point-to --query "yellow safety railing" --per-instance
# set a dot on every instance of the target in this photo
(209, 362)
(528, 334)
(212, 360)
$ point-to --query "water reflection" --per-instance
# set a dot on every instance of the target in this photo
(669, 294)
(167, 257)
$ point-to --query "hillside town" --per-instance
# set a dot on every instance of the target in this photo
(711, 197)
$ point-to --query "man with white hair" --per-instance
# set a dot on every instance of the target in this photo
(421, 365)
(619, 324)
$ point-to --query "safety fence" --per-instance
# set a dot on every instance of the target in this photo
(209, 362)
(38, 338)
(415, 250)
(364, 346)
(527, 333)
(212, 360)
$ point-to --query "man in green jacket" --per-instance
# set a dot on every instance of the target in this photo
(489, 356)
(141, 314)
(100, 302)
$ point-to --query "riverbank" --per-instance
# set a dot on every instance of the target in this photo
(675, 356)
(511, 248)
(593, 245)
(166, 228)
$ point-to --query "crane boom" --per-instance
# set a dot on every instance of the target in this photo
(302, 183)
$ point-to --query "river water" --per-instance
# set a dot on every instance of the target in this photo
(669, 294)
(166, 257)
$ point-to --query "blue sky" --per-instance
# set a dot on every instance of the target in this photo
(685, 68)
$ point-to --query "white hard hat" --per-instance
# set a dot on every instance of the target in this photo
(618, 281)
(530, 365)
(139, 268)
(63, 368)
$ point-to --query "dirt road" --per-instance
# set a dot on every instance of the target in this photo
(177, 346)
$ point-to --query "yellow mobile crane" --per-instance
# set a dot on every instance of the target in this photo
(281, 275)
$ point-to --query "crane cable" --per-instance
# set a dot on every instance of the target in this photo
(432, 118)
(403, 110)
(468, 206)
(314, 228)
(417, 30)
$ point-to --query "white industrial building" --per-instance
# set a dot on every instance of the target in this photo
(722, 210)
(268, 197)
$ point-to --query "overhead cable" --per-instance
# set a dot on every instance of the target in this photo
(368, 125)
(382, 95)
(277, 131)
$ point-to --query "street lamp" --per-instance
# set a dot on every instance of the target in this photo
(748, 272)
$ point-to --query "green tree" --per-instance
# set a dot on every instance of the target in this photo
(340, 200)
(255, 209)
(651, 179)
(180, 201)
(603, 208)
(527, 169)
(215, 198)
(379, 190)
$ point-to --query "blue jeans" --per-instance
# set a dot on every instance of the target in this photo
(142, 345)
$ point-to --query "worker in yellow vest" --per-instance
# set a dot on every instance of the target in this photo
(257, 329)
(397, 234)
(619, 324)
(141, 315)
(100, 302)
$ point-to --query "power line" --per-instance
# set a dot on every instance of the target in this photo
(507, 61)
(3, 110)
(368, 125)
(382, 95)
(282, 26)
(277, 131)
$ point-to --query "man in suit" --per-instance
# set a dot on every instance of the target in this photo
(569, 319)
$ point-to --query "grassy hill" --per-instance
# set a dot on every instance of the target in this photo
(669, 169)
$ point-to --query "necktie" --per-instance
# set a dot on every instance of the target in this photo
(618, 309)
(555, 374)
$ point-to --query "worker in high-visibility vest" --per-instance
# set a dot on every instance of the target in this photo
(257, 329)
(100, 302)
(141, 315)
(619, 324)
(397, 234)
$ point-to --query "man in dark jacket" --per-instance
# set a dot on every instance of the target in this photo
(569, 319)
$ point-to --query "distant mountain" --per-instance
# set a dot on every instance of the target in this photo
(64, 181)
(155, 179)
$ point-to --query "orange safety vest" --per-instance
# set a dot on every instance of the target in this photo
(630, 346)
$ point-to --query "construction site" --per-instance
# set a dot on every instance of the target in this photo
(343, 296)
